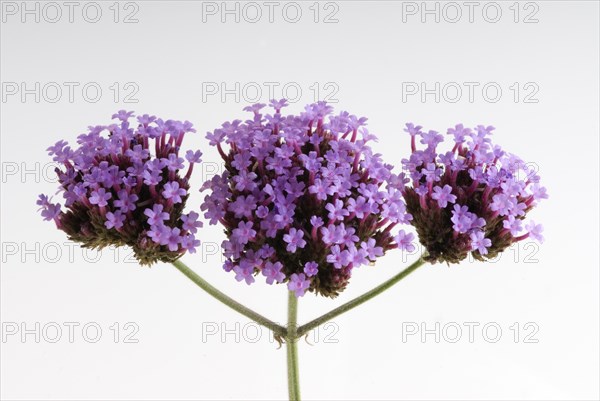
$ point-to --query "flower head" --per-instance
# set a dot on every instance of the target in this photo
(125, 188)
(472, 198)
(309, 189)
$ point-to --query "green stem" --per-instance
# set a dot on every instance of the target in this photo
(233, 304)
(305, 328)
(293, 332)
(292, 348)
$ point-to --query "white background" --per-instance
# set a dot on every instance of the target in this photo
(371, 55)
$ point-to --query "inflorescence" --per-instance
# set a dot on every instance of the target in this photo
(116, 192)
(303, 200)
(472, 198)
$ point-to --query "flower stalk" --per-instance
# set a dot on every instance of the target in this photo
(291, 344)
(293, 332)
(278, 330)
(305, 328)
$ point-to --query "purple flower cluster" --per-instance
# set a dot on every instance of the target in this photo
(472, 198)
(117, 192)
(303, 198)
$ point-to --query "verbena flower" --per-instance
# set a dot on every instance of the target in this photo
(303, 199)
(127, 187)
(472, 198)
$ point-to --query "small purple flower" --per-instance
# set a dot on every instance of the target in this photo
(512, 225)
(262, 212)
(255, 108)
(173, 192)
(193, 157)
(156, 215)
(347, 235)
(319, 189)
(160, 234)
(49, 211)
(190, 243)
(299, 284)
(244, 181)
(431, 139)
(312, 162)
(512, 188)
(373, 251)
(273, 273)
(266, 251)
(173, 240)
(173, 163)
(431, 172)
(138, 153)
(330, 234)
(535, 231)
(61, 152)
(336, 258)
(243, 206)
(146, 119)
(443, 195)
(244, 273)
(114, 220)
(241, 161)
(459, 132)
(244, 232)
(464, 220)
(412, 130)
(360, 207)
(336, 210)
(311, 268)
(422, 190)
(479, 242)
(122, 115)
(228, 265)
(538, 192)
(278, 104)
(501, 203)
(405, 241)
(126, 201)
(316, 222)
(190, 222)
(151, 177)
(100, 197)
(358, 256)
(294, 240)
